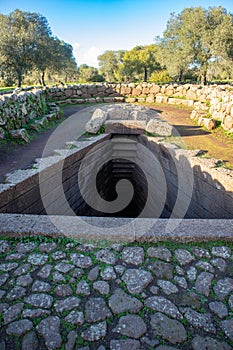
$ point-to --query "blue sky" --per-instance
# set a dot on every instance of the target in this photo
(93, 26)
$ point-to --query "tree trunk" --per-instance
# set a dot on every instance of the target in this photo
(203, 78)
(145, 74)
(203, 73)
(180, 76)
(19, 77)
(42, 78)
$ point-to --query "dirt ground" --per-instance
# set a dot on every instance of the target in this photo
(217, 144)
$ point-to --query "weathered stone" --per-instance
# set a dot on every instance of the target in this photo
(108, 273)
(63, 267)
(63, 290)
(160, 253)
(15, 256)
(24, 281)
(183, 256)
(30, 341)
(75, 317)
(40, 300)
(207, 343)
(106, 256)
(133, 255)
(95, 332)
(19, 327)
(66, 304)
(102, 287)
(203, 283)
(97, 120)
(12, 313)
(192, 273)
(81, 260)
(96, 310)
(191, 299)
(16, 293)
(221, 252)
(94, 273)
(135, 127)
(4, 278)
(119, 269)
(124, 344)
(20, 134)
(49, 328)
(2, 292)
(47, 247)
(163, 305)
(227, 326)
(58, 277)
(83, 288)
(34, 313)
(3, 307)
(71, 339)
(8, 266)
(201, 252)
(168, 329)
(218, 308)
(199, 320)
(4, 246)
(132, 326)
(39, 286)
(219, 263)
(204, 265)
(151, 342)
(45, 271)
(223, 288)
(136, 280)
(162, 270)
(37, 259)
(121, 302)
(167, 287)
(58, 255)
(181, 281)
(159, 127)
(25, 247)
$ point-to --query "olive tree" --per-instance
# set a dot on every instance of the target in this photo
(196, 37)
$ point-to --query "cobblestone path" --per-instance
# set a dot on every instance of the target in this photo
(58, 294)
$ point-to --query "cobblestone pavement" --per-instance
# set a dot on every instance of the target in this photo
(58, 294)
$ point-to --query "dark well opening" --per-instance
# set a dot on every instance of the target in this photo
(165, 185)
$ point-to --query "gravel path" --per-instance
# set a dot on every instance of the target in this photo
(65, 295)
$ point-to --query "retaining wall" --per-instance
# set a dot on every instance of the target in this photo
(192, 189)
(17, 110)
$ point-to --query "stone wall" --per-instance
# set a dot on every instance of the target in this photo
(209, 103)
(25, 110)
(213, 102)
(180, 182)
(23, 190)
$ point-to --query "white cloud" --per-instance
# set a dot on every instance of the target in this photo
(86, 55)
(76, 46)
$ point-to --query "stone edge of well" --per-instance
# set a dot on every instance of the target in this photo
(101, 228)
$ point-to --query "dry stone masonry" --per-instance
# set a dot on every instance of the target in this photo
(139, 307)
(22, 110)
(182, 172)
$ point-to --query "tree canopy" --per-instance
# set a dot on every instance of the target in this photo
(196, 37)
(26, 43)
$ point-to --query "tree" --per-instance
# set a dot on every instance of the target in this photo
(89, 74)
(109, 63)
(20, 33)
(141, 60)
(62, 58)
(197, 37)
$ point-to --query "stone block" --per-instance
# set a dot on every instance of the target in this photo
(125, 127)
